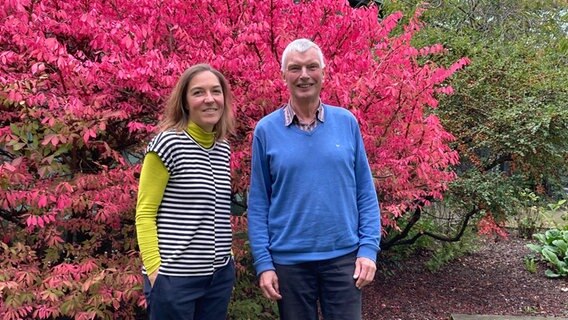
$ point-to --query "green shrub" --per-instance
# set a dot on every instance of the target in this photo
(247, 301)
(443, 219)
(444, 252)
(536, 217)
(529, 221)
(561, 221)
(530, 264)
(553, 248)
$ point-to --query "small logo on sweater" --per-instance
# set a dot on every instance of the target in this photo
(338, 145)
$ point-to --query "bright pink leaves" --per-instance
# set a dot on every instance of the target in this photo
(82, 86)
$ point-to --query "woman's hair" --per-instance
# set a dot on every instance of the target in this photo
(176, 114)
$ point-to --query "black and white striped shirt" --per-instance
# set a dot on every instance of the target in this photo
(193, 220)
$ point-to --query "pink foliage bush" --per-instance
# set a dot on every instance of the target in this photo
(82, 86)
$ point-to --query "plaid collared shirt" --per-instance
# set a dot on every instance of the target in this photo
(290, 117)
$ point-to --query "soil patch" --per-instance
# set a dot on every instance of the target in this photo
(493, 281)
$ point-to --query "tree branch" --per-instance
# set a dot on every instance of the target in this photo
(404, 233)
(7, 154)
(10, 217)
(500, 160)
(446, 238)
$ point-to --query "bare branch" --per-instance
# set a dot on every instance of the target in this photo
(439, 237)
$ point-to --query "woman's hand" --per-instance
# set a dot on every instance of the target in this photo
(152, 277)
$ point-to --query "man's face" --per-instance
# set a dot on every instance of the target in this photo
(303, 75)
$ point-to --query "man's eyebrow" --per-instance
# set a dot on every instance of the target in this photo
(304, 63)
(301, 64)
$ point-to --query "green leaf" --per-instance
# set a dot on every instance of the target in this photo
(18, 146)
(551, 248)
(15, 129)
(61, 150)
(562, 247)
(540, 237)
(550, 256)
(67, 307)
(552, 235)
(551, 274)
(534, 247)
(52, 254)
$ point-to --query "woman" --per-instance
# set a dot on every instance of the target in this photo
(184, 198)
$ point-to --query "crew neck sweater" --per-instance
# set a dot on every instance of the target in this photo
(312, 196)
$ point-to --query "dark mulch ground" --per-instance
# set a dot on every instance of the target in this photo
(491, 281)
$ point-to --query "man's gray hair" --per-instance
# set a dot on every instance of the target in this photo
(301, 45)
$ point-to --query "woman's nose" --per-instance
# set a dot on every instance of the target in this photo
(208, 97)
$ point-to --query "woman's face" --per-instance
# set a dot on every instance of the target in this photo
(205, 100)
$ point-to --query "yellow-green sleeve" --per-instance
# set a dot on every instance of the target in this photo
(153, 180)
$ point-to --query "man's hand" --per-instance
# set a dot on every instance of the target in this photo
(364, 272)
(269, 285)
(152, 277)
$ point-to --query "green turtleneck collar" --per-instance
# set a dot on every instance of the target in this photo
(204, 138)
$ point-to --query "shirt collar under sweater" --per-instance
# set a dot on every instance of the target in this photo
(290, 117)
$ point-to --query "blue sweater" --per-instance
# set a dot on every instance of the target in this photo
(312, 196)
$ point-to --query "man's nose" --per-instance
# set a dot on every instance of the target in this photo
(304, 73)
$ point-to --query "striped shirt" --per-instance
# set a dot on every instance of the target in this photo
(193, 220)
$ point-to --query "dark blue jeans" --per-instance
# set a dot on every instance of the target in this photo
(191, 298)
(329, 281)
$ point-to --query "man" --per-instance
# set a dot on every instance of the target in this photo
(313, 214)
